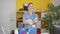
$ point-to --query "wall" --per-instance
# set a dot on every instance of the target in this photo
(7, 15)
(38, 3)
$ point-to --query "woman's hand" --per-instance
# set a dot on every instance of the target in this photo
(35, 21)
(25, 22)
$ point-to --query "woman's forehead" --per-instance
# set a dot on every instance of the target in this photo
(31, 5)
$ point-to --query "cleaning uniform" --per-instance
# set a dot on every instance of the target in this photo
(32, 28)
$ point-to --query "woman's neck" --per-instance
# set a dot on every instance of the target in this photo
(30, 13)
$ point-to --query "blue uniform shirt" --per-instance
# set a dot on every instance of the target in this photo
(27, 16)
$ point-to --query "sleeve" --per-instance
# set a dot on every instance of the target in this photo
(36, 16)
(24, 17)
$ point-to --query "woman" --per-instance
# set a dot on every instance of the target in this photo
(30, 19)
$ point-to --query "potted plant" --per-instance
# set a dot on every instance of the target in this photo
(52, 15)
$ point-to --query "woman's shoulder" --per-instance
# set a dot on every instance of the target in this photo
(26, 13)
(35, 14)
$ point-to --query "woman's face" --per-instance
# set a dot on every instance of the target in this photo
(31, 7)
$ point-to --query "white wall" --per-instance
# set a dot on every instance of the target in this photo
(56, 2)
(7, 15)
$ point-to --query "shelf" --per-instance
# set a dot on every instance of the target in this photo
(22, 11)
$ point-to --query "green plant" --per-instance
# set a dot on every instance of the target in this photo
(52, 15)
